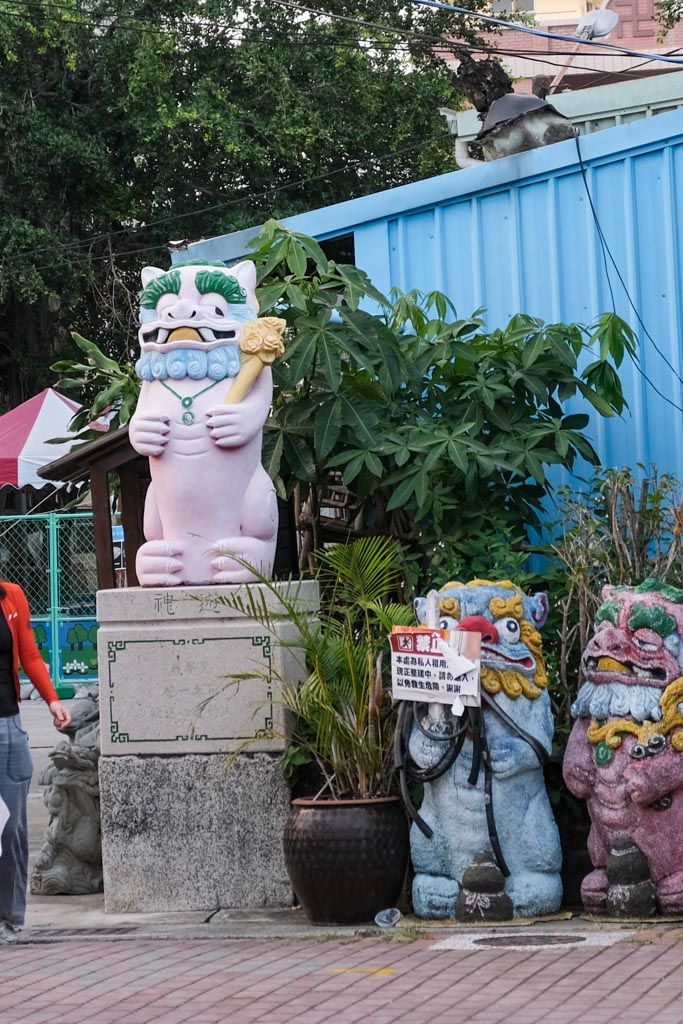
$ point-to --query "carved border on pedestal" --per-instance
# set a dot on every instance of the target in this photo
(266, 731)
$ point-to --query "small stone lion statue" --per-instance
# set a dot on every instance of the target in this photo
(516, 731)
(70, 862)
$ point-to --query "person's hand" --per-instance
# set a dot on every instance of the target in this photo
(60, 714)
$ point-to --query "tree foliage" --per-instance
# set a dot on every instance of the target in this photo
(103, 388)
(130, 122)
(668, 13)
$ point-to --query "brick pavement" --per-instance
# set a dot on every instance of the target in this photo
(383, 980)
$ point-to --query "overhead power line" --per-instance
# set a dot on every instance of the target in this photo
(497, 22)
(410, 34)
(214, 23)
(608, 255)
(167, 22)
(246, 35)
(516, 27)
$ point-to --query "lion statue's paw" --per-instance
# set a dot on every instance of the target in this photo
(435, 896)
(159, 563)
(235, 556)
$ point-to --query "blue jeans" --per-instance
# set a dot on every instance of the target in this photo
(16, 768)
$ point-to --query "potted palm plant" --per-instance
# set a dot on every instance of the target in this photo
(346, 847)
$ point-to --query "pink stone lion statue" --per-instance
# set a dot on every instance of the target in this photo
(625, 752)
(211, 506)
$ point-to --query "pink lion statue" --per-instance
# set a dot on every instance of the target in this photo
(625, 752)
(206, 393)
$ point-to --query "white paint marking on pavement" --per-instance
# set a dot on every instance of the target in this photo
(485, 940)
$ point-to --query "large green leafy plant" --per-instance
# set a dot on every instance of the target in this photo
(443, 431)
(342, 714)
(102, 386)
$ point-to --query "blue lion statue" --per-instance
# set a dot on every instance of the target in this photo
(484, 790)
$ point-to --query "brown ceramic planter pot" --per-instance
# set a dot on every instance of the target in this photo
(347, 859)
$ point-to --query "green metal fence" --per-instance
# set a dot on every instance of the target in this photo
(52, 556)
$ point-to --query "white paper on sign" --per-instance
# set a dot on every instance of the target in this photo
(457, 663)
(457, 707)
(4, 818)
(466, 672)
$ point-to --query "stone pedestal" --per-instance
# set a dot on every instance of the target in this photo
(181, 828)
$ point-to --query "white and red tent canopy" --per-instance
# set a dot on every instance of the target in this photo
(24, 433)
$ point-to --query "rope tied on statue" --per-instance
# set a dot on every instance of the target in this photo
(472, 723)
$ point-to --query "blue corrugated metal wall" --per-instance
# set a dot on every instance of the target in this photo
(518, 235)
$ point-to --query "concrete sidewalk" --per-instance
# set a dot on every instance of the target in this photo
(76, 964)
(619, 977)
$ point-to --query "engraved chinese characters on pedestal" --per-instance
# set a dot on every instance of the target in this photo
(625, 752)
(490, 803)
(206, 393)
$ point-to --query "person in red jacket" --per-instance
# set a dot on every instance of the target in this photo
(18, 646)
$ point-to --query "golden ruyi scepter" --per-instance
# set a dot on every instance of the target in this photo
(262, 342)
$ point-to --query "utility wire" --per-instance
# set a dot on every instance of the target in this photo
(498, 22)
(108, 21)
(607, 253)
(246, 37)
(533, 56)
(212, 24)
(609, 74)
(246, 32)
(243, 35)
(166, 22)
(516, 27)
(131, 231)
